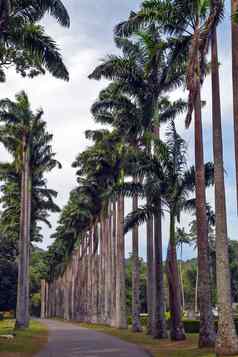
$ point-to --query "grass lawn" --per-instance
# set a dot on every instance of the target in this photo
(164, 348)
(26, 343)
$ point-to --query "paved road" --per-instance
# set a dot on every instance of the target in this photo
(69, 340)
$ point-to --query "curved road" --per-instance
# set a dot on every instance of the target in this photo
(69, 340)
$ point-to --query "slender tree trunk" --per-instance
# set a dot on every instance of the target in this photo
(107, 270)
(114, 261)
(43, 299)
(150, 259)
(150, 288)
(22, 313)
(159, 329)
(102, 280)
(226, 341)
(207, 332)
(196, 294)
(29, 203)
(177, 330)
(110, 253)
(181, 279)
(234, 36)
(121, 318)
(136, 325)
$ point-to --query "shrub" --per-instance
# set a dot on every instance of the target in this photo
(143, 320)
(129, 320)
(1, 316)
(35, 305)
(191, 326)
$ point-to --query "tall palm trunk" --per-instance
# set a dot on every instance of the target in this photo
(110, 267)
(159, 329)
(196, 294)
(150, 279)
(177, 329)
(234, 35)
(114, 261)
(207, 333)
(121, 319)
(159, 324)
(181, 277)
(226, 342)
(136, 325)
(22, 312)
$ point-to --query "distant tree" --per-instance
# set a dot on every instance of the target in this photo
(8, 275)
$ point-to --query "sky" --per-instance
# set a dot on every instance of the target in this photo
(67, 105)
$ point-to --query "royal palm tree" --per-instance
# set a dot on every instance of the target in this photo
(118, 110)
(141, 76)
(234, 35)
(191, 23)
(24, 136)
(24, 43)
(226, 341)
(173, 183)
(107, 156)
(182, 238)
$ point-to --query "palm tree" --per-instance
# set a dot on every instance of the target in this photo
(140, 75)
(234, 34)
(116, 109)
(23, 134)
(107, 156)
(226, 341)
(24, 43)
(191, 23)
(173, 183)
(182, 238)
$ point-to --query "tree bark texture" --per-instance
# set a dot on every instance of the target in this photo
(234, 36)
(22, 311)
(176, 329)
(136, 325)
(207, 332)
(226, 341)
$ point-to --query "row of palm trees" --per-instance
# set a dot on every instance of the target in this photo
(25, 46)
(195, 24)
(165, 45)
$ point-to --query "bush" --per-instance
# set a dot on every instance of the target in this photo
(1, 316)
(129, 320)
(236, 324)
(35, 305)
(191, 326)
(143, 320)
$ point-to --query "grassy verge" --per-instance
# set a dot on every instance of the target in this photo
(162, 348)
(26, 343)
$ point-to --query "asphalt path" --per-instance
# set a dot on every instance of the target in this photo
(70, 340)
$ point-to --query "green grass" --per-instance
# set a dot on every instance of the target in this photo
(162, 348)
(26, 343)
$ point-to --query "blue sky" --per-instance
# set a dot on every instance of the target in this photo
(67, 105)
